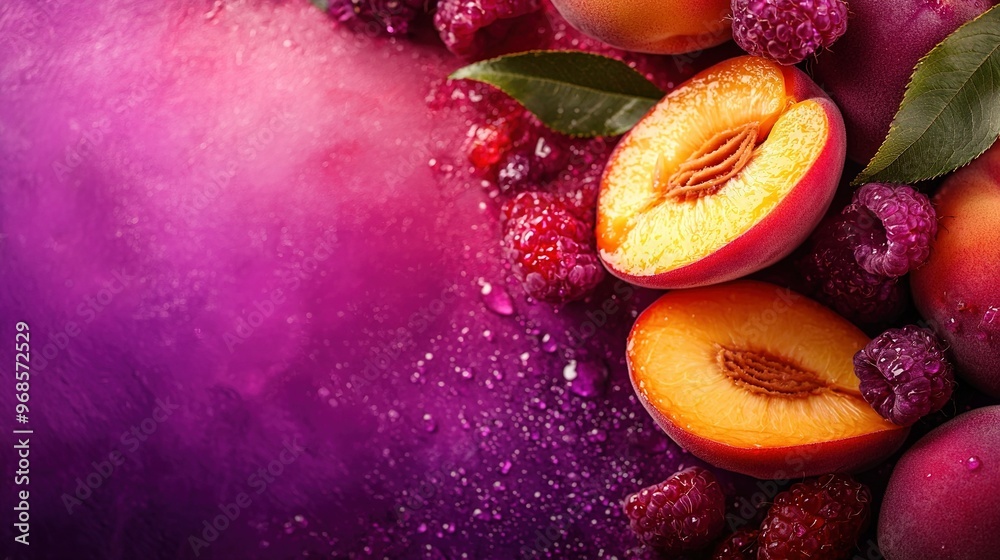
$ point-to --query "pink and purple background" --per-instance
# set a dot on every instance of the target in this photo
(243, 215)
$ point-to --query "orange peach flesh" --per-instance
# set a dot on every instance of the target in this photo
(751, 366)
(645, 229)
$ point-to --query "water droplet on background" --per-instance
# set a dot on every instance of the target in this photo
(973, 463)
(589, 378)
(497, 299)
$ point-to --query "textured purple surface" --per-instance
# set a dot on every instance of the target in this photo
(230, 208)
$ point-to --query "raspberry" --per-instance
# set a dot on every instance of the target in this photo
(833, 277)
(539, 157)
(905, 374)
(819, 519)
(787, 31)
(393, 16)
(895, 228)
(741, 545)
(685, 512)
(488, 143)
(552, 250)
(461, 23)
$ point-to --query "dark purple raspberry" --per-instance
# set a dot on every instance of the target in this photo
(905, 374)
(833, 277)
(552, 250)
(819, 519)
(392, 16)
(895, 227)
(461, 23)
(516, 173)
(684, 512)
(741, 545)
(787, 31)
(538, 158)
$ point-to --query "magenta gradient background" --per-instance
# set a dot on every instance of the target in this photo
(211, 154)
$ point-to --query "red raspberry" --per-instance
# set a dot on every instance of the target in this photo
(462, 23)
(895, 225)
(552, 250)
(741, 545)
(833, 277)
(488, 143)
(787, 31)
(905, 374)
(819, 519)
(685, 512)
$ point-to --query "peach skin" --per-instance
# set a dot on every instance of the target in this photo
(653, 26)
(956, 290)
(757, 379)
(726, 176)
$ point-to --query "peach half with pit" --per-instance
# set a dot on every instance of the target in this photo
(757, 379)
(724, 177)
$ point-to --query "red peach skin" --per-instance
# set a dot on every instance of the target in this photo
(653, 26)
(956, 290)
(850, 455)
(941, 503)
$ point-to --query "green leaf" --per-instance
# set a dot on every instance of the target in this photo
(951, 110)
(572, 92)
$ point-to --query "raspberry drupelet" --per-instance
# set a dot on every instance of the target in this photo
(684, 512)
(905, 374)
(551, 249)
(787, 31)
(819, 519)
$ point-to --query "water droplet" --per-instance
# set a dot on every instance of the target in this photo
(597, 435)
(497, 300)
(548, 344)
(466, 374)
(569, 372)
(429, 424)
(973, 463)
(505, 467)
(422, 528)
(589, 378)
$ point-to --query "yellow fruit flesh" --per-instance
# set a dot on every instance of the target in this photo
(644, 233)
(674, 356)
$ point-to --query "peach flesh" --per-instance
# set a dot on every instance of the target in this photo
(758, 380)
(956, 290)
(653, 26)
(726, 176)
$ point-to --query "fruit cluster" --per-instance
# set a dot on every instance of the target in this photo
(734, 173)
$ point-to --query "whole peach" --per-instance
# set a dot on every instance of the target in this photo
(654, 26)
(956, 291)
(866, 72)
(941, 500)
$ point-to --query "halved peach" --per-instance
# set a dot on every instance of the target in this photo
(759, 380)
(725, 176)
